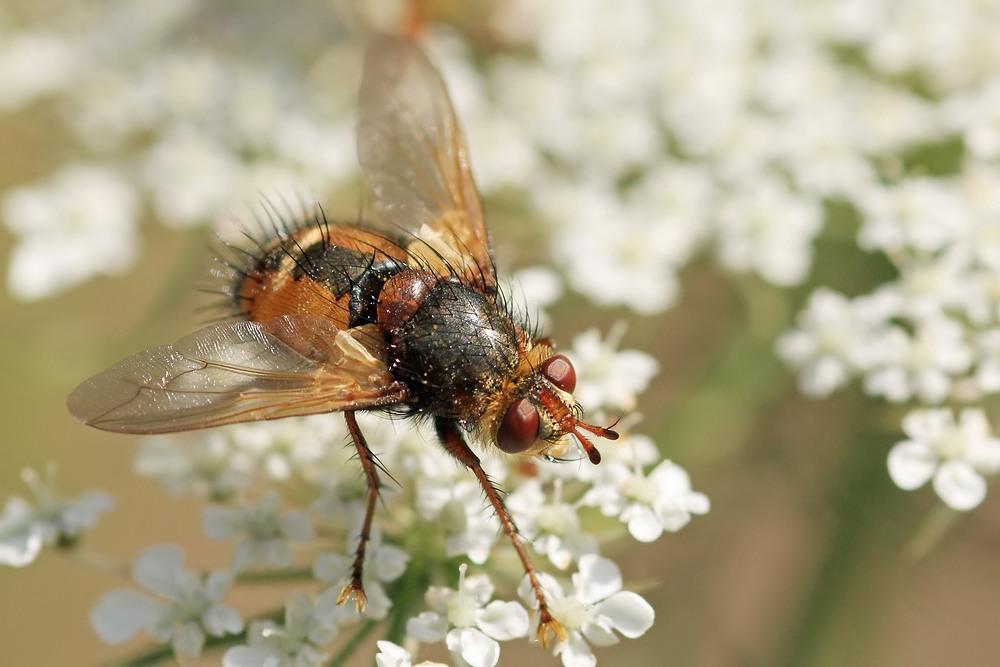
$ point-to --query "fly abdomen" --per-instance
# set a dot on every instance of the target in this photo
(335, 272)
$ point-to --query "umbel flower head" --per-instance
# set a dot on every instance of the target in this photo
(183, 609)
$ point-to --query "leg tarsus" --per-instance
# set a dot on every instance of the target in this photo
(355, 588)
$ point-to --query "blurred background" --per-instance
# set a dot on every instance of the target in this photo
(656, 125)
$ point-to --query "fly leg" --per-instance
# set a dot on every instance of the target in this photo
(354, 586)
(454, 443)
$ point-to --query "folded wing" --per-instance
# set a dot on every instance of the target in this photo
(240, 372)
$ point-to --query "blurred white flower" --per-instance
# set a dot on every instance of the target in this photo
(266, 530)
(833, 339)
(610, 252)
(923, 364)
(608, 378)
(204, 465)
(53, 519)
(309, 625)
(917, 215)
(191, 177)
(552, 526)
(768, 229)
(187, 606)
(955, 456)
(32, 64)
(79, 224)
(302, 446)
(470, 525)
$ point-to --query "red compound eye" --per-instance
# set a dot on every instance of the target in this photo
(519, 428)
(560, 372)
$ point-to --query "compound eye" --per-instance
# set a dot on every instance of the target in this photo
(519, 428)
(560, 372)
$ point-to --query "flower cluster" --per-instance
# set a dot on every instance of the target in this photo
(635, 136)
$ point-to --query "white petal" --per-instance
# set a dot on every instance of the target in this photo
(959, 485)
(331, 566)
(576, 652)
(548, 583)
(671, 517)
(911, 464)
(222, 523)
(217, 585)
(475, 648)
(671, 478)
(428, 627)
(83, 513)
(121, 614)
(598, 633)
(378, 603)
(20, 538)
(388, 562)
(221, 620)
(597, 579)
(642, 522)
(627, 612)
(391, 655)
(698, 503)
(296, 527)
(479, 586)
(159, 569)
(503, 620)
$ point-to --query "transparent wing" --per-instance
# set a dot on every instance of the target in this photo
(414, 160)
(239, 372)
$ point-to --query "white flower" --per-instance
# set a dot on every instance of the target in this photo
(954, 456)
(33, 63)
(309, 625)
(79, 224)
(191, 177)
(921, 365)
(553, 527)
(663, 500)
(285, 447)
(594, 611)
(609, 251)
(383, 563)
(833, 340)
(476, 623)
(472, 527)
(768, 229)
(25, 529)
(188, 610)
(267, 532)
(203, 465)
(920, 215)
(609, 378)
